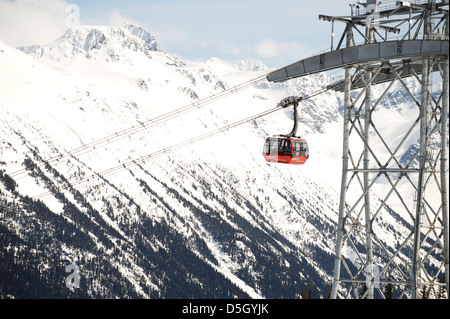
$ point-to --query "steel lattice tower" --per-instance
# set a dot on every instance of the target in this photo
(379, 182)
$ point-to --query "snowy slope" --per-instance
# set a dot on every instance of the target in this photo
(210, 220)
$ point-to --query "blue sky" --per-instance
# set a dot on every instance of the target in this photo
(276, 32)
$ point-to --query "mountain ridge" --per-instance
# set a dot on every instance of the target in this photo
(211, 220)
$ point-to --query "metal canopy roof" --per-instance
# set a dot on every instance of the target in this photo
(361, 54)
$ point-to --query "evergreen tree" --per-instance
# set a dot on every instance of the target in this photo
(307, 293)
(330, 287)
(388, 291)
(304, 293)
(441, 291)
(424, 292)
(363, 292)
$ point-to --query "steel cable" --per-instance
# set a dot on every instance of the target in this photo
(145, 125)
(151, 156)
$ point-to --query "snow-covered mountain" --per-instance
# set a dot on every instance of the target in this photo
(210, 220)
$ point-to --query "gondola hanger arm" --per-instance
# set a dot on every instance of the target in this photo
(290, 100)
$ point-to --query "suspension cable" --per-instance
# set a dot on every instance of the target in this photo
(151, 156)
(161, 152)
(145, 125)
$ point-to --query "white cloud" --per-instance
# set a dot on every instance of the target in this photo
(27, 22)
(272, 52)
(117, 19)
(269, 48)
(234, 50)
(172, 35)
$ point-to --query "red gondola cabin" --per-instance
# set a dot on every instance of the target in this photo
(287, 150)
